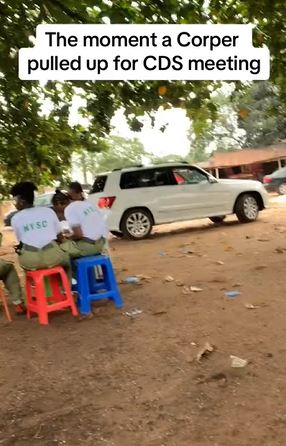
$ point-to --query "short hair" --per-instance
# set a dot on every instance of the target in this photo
(76, 187)
(60, 196)
(25, 190)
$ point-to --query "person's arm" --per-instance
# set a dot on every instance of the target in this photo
(19, 246)
(74, 223)
(77, 233)
(60, 237)
(15, 229)
(58, 228)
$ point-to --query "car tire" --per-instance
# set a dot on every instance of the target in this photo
(282, 189)
(217, 220)
(247, 208)
(116, 234)
(137, 224)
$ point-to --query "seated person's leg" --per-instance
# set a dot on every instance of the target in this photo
(45, 258)
(90, 249)
(12, 283)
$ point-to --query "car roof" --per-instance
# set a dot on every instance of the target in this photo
(151, 166)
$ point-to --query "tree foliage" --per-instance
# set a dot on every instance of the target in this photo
(262, 115)
(119, 152)
(253, 117)
(269, 16)
(222, 133)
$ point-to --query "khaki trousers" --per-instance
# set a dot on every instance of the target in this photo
(11, 281)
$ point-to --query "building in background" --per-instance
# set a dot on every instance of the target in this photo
(246, 163)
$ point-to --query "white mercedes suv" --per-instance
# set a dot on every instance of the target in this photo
(135, 199)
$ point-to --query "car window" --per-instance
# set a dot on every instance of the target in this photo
(145, 178)
(99, 184)
(43, 200)
(188, 176)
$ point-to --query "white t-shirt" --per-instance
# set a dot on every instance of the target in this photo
(64, 226)
(37, 226)
(88, 217)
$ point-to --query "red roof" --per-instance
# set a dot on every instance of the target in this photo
(242, 157)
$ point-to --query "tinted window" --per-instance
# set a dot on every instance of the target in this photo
(145, 178)
(188, 176)
(99, 184)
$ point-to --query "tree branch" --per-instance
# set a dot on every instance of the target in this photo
(70, 13)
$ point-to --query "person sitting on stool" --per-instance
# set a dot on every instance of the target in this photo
(38, 231)
(9, 276)
(89, 231)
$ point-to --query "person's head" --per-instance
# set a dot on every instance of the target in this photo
(76, 191)
(60, 201)
(23, 194)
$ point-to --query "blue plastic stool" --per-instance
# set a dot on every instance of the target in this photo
(95, 281)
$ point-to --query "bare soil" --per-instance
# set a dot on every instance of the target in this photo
(125, 381)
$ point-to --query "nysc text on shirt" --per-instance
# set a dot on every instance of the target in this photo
(36, 226)
(88, 217)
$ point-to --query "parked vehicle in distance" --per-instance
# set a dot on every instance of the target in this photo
(137, 198)
(276, 181)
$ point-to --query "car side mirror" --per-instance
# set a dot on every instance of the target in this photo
(212, 180)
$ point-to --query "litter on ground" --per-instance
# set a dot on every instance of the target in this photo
(237, 362)
(205, 351)
(232, 294)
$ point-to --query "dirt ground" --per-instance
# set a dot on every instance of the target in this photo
(123, 381)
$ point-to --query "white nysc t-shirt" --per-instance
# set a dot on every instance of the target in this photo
(88, 217)
(37, 226)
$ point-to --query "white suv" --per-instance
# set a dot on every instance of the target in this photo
(137, 198)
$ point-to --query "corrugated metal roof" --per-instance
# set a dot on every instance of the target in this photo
(245, 156)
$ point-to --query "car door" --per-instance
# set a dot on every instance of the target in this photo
(194, 193)
(150, 188)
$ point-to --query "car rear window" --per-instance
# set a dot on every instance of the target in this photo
(145, 178)
(99, 184)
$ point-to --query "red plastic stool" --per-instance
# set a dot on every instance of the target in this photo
(37, 302)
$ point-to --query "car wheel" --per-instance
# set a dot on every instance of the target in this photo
(218, 219)
(282, 189)
(116, 234)
(247, 208)
(137, 224)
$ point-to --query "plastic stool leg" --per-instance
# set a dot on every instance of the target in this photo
(55, 284)
(92, 279)
(112, 284)
(83, 291)
(28, 286)
(41, 299)
(68, 293)
(84, 306)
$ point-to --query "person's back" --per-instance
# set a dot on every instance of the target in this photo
(36, 226)
(38, 230)
(87, 223)
(86, 216)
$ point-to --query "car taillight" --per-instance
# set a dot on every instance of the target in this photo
(106, 202)
(267, 180)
